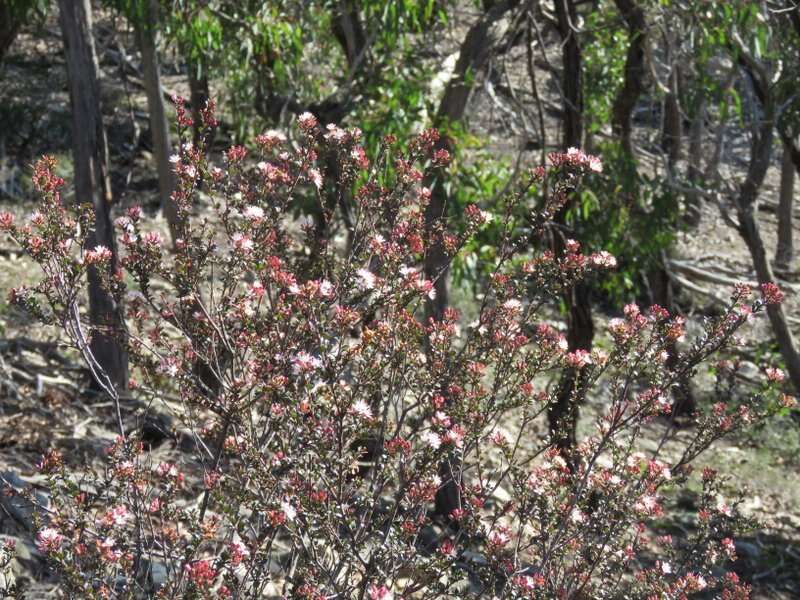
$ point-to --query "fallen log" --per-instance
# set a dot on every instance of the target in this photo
(696, 272)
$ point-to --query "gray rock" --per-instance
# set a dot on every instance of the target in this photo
(748, 551)
(14, 492)
(153, 575)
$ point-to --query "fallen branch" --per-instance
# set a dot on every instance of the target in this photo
(49, 350)
(772, 207)
(695, 272)
(692, 287)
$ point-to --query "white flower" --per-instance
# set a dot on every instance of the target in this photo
(315, 177)
(326, 289)
(273, 137)
(289, 510)
(367, 279)
(118, 515)
(335, 134)
(307, 120)
(499, 538)
(576, 516)
(242, 242)
(238, 552)
(254, 213)
(257, 288)
(304, 362)
(603, 259)
(49, 540)
(169, 368)
(361, 409)
(432, 439)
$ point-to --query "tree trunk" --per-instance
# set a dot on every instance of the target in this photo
(92, 183)
(198, 96)
(563, 414)
(748, 227)
(633, 83)
(349, 32)
(145, 25)
(694, 207)
(572, 84)
(672, 131)
(475, 51)
(624, 105)
(683, 399)
(746, 206)
(784, 253)
(10, 22)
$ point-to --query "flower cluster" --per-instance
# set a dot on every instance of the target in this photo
(576, 158)
(342, 443)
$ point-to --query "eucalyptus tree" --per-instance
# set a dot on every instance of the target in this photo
(93, 187)
(146, 17)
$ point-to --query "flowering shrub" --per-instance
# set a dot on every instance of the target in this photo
(326, 415)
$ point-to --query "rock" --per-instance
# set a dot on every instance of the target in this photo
(748, 551)
(153, 575)
(428, 540)
(14, 498)
(155, 430)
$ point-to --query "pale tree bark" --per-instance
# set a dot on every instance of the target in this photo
(684, 402)
(92, 183)
(145, 26)
(784, 253)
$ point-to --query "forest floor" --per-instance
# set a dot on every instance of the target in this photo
(42, 399)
